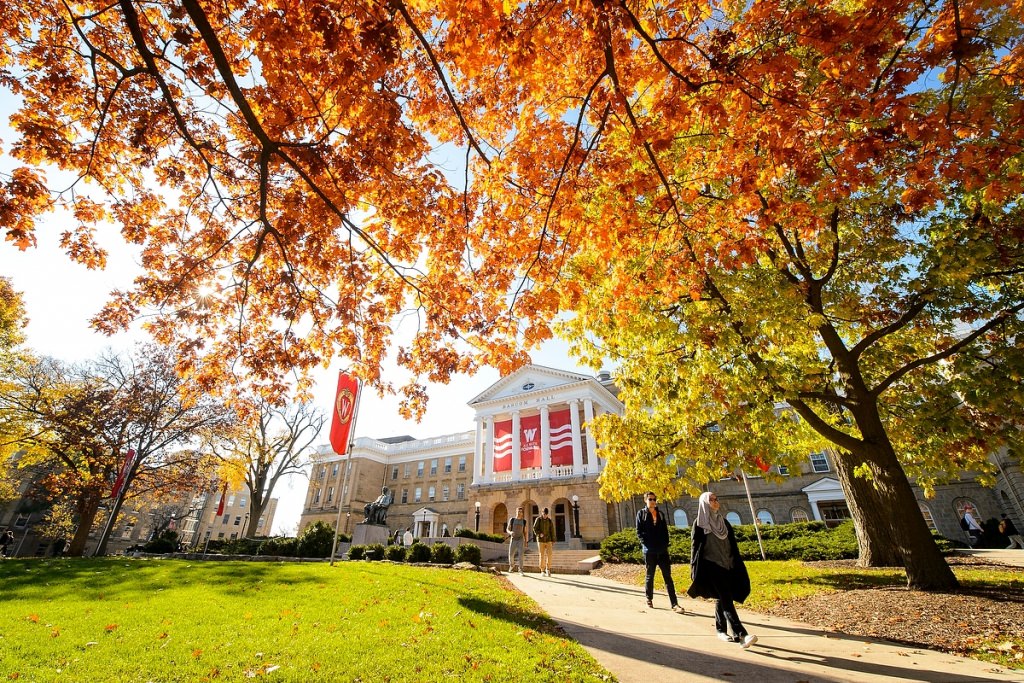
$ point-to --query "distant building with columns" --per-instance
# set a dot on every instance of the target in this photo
(531, 448)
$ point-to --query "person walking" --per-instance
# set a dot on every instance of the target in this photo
(970, 524)
(544, 532)
(652, 529)
(1007, 527)
(6, 541)
(518, 538)
(717, 570)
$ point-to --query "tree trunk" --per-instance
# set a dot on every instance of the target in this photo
(890, 528)
(108, 528)
(87, 508)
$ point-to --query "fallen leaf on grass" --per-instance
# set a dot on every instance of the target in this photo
(109, 628)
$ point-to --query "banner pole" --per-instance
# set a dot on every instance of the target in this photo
(348, 465)
(750, 502)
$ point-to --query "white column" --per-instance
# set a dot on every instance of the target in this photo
(577, 442)
(478, 457)
(488, 449)
(545, 443)
(588, 417)
(516, 447)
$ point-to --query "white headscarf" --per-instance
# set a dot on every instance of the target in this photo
(711, 521)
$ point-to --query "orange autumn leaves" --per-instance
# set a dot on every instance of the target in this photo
(326, 167)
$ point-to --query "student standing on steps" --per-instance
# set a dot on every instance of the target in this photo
(544, 532)
(717, 570)
(652, 528)
(518, 538)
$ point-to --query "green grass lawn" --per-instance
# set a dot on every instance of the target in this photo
(170, 620)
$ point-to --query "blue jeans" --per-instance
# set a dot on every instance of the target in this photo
(659, 560)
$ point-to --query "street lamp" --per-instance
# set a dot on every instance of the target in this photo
(477, 517)
(576, 514)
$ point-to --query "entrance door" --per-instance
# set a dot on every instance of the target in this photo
(560, 522)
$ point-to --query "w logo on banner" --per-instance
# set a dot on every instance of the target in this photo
(344, 412)
(529, 441)
(529, 435)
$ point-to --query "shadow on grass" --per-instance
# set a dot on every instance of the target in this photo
(513, 614)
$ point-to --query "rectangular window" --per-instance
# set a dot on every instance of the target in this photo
(444, 492)
(419, 469)
(408, 470)
(447, 465)
(394, 473)
(430, 493)
(128, 531)
(405, 495)
(220, 535)
(330, 493)
(242, 501)
(460, 491)
(322, 472)
(231, 500)
(238, 521)
(21, 522)
(462, 463)
(334, 470)
(433, 467)
(234, 536)
(783, 470)
(316, 496)
(225, 518)
(819, 463)
(418, 495)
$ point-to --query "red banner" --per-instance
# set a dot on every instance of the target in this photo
(503, 446)
(123, 474)
(220, 505)
(344, 412)
(561, 437)
(529, 441)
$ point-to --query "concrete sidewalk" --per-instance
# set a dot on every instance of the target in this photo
(643, 645)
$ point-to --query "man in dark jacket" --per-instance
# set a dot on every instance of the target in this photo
(652, 528)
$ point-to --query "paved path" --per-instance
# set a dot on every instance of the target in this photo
(642, 645)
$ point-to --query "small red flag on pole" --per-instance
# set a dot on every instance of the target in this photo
(344, 412)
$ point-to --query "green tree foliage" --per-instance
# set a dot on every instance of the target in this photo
(316, 540)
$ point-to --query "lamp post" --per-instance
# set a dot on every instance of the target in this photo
(576, 515)
(477, 529)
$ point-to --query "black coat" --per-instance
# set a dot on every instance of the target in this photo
(653, 536)
(702, 586)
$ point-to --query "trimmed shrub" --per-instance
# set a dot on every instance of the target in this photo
(467, 552)
(418, 552)
(480, 536)
(395, 553)
(316, 540)
(165, 542)
(442, 553)
(356, 552)
(374, 552)
(282, 547)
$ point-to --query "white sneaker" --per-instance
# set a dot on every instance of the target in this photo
(722, 635)
(748, 640)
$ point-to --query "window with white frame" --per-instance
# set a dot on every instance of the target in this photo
(734, 518)
(799, 515)
(407, 472)
(444, 492)
(460, 491)
(316, 496)
(419, 469)
(405, 495)
(418, 495)
(765, 517)
(783, 470)
(447, 465)
(330, 493)
(334, 470)
(243, 501)
(819, 462)
(430, 493)
(927, 514)
(433, 466)
(394, 473)
(462, 463)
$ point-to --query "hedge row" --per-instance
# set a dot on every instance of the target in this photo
(480, 536)
(440, 553)
(807, 541)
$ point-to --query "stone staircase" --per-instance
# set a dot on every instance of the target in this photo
(562, 561)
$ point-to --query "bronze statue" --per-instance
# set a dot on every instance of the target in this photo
(377, 511)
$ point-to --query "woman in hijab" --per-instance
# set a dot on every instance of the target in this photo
(717, 570)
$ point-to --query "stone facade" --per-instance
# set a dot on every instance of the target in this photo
(477, 479)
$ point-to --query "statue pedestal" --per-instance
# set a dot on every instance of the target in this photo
(365, 534)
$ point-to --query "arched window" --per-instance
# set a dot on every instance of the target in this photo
(734, 518)
(927, 514)
(798, 515)
(679, 518)
(500, 519)
(765, 517)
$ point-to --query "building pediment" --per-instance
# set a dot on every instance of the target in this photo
(825, 484)
(526, 380)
